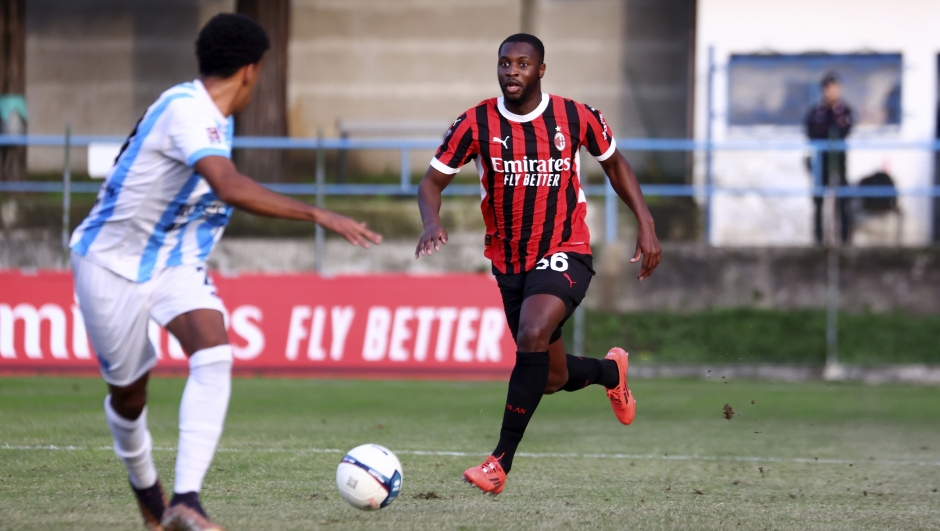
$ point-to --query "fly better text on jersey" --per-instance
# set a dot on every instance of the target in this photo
(531, 172)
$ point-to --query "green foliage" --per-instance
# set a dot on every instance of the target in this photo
(393, 217)
(763, 336)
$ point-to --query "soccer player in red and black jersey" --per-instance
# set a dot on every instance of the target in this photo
(526, 147)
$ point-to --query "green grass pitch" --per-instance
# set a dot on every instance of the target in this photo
(794, 456)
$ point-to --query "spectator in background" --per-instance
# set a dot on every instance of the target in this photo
(831, 118)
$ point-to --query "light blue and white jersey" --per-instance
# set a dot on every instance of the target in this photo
(154, 211)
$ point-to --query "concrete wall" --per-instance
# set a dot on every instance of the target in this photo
(659, 47)
(801, 26)
(693, 278)
(425, 62)
(98, 64)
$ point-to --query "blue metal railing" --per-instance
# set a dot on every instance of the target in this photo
(596, 190)
(407, 188)
(404, 146)
(397, 144)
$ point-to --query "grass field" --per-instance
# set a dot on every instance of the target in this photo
(794, 456)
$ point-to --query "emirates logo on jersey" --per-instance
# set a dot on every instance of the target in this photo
(531, 172)
(560, 141)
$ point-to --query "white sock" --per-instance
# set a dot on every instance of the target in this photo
(202, 413)
(133, 445)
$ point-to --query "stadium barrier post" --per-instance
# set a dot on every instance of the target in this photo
(343, 157)
(321, 177)
(578, 340)
(817, 173)
(833, 370)
(709, 147)
(405, 169)
(610, 236)
(610, 214)
(66, 192)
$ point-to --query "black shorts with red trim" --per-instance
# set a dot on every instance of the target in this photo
(564, 275)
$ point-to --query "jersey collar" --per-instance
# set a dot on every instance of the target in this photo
(520, 118)
(203, 93)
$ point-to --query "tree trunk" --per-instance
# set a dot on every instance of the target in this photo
(12, 85)
(267, 113)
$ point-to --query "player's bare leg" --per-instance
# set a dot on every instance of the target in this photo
(538, 320)
(539, 317)
(572, 373)
(542, 367)
(198, 330)
(202, 335)
(125, 411)
(541, 314)
(130, 401)
(611, 372)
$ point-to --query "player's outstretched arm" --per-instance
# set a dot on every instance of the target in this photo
(244, 193)
(429, 203)
(624, 181)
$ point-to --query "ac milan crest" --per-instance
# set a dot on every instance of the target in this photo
(559, 140)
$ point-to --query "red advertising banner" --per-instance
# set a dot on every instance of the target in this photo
(390, 326)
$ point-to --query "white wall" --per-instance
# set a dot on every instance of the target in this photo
(908, 27)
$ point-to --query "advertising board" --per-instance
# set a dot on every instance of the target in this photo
(382, 326)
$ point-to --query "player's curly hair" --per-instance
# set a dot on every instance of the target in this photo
(528, 39)
(228, 42)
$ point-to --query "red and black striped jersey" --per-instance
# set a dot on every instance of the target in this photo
(530, 168)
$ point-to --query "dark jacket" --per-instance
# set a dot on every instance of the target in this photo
(822, 118)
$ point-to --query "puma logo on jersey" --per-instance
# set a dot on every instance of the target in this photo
(501, 141)
(572, 282)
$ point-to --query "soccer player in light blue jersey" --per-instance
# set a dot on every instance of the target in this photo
(140, 255)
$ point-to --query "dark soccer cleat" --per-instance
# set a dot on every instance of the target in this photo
(152, 504)
(621, 399)
(186, 514)
(488, 477)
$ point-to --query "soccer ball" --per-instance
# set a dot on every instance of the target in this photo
(369, 477)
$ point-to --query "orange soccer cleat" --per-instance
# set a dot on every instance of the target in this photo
(488, 477)
(185, 513)
(621, 399)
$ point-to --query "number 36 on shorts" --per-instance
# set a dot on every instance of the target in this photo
(558, 262)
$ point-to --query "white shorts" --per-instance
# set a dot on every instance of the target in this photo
(117, 312)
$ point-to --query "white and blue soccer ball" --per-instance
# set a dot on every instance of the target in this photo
(369, 477)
